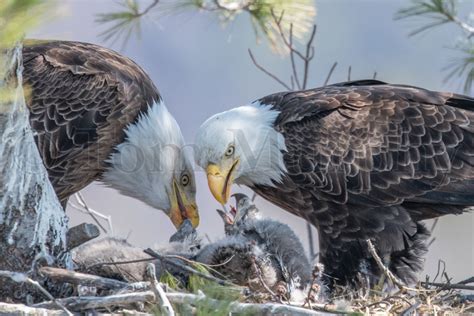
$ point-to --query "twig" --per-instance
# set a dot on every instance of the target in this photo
(310, 239)
(410, 309)
(309, 56)
(449, 286)
(292, 58)
(23, 278)
(63, 275)
(116, 263)
(84, 208)
(20, 309)
(314, 287)
(288, 43)
(433, 226)
(467, 281)
(349, 73)
(386, 271)
(262, 69)
(328, 77)
(208, 266)
(306, 58)
(262, 281)
(158, 290)
(151, 6)
(109, 263)
(254, 196)
(81, 234)
(251, 308)
(181, 266)
(80, 303)
(439, 269)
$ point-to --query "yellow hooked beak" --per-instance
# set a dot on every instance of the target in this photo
(182, 209)
(220, 181)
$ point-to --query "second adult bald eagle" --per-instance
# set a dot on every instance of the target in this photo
(98, 116)
(359, 160)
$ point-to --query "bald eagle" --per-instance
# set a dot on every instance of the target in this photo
(359, 160)
(98, 116)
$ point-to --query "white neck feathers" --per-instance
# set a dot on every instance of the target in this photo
(257, 144)
(142, 166)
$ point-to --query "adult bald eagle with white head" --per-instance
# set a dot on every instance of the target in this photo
(98, 116)
(359, 160)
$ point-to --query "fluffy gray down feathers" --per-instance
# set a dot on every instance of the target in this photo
(253, 251)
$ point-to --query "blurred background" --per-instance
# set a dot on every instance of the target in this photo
(201, 66)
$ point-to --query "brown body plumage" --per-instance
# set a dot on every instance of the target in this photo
(82, 96)
(369, 160)
(98, 116)
(362, 160)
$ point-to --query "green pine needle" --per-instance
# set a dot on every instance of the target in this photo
(441, 12)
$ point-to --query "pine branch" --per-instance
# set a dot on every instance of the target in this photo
(441, 12)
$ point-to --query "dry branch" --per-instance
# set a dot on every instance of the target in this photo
(84, 208)
(23, 278)
(328, 77)
(76, 278)
(183, 267)
(262, 281)
(158, 290)
(449, 286)
(386, 271)
(251, 308)
(77, 303)
(467, 281)
(81, 234)
(20, 309)
(268, 73)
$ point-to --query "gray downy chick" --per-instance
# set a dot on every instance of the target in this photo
(254, 241)
(89, 257)
(274, 238)
(186, 234)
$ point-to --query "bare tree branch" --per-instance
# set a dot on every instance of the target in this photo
(80, 303)
(68, 276)
(310, 240)
(84, 208)
(328, 77)
(386, 271)
(183, 267)
(254, 309)
(262, 281)
(23, 278)
(20, 309)
(449, 286)
(309, 56)
(267, 72)
(292, 57)
(158, 290)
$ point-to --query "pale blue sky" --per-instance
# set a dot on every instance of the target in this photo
(202, 68)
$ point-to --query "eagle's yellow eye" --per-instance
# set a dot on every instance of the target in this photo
(230, 151)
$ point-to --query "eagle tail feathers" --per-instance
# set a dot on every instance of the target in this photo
(407, 263)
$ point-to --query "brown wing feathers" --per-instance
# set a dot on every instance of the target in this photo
(82, 98)
(368, 160)
(377, 144)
